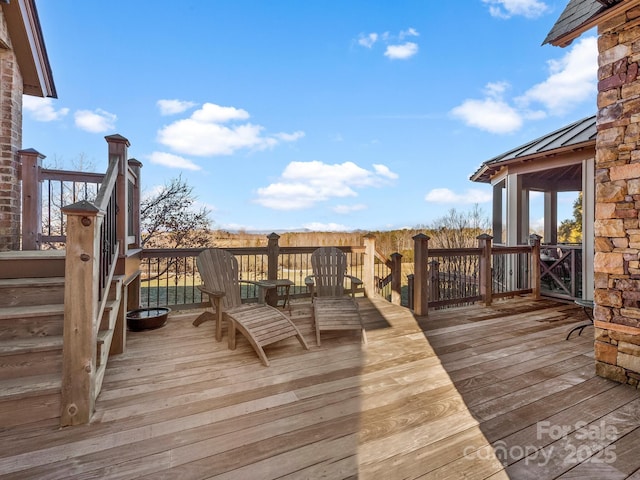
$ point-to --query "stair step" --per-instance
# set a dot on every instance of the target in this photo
(32, 282)
(34, 385)
(26, 357)
(26, 400)
(31, 321)
(31, 291)
(30, 311)
(32, 264)
(16, 346)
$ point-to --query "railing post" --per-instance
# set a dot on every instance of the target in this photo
(396, 278)
(368, 267)
(486, 280)
(434, 280)
(273, 255)
(534, 280)
(80, 312)
(118, 149)
(421, 282)
(31, 161)
(134, 202)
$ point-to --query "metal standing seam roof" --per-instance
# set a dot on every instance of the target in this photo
(573, 135)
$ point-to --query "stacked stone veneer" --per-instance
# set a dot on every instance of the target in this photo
(617, 225)
(10, 142)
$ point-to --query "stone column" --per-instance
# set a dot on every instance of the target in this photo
(617, 197)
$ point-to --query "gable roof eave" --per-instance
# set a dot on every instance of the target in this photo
(576, 136)
(28, 44)
(586, 15)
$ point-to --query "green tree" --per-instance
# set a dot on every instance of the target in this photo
(570, 230)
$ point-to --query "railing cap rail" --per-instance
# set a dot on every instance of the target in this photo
(31, 151)
(83, 206)
(117, 138)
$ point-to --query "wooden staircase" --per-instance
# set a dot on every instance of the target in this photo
(31, 335)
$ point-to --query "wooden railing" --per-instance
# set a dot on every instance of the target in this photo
(446, 277)
(169, 277)
(450, 277)
(561, 271)
(46, 191)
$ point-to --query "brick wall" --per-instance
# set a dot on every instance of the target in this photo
(617, 225)
(10, 142)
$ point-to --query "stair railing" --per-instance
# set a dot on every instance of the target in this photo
(95, 238)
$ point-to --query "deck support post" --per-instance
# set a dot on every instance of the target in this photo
(80, 312)
(420, 278)
(486, 280)
(31, 166)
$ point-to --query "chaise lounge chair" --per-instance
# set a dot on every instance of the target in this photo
(261, 324)
(332, 310)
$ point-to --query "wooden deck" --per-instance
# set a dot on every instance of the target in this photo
(457, 394)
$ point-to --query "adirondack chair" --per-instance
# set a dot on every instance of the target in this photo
(333, 307)
(261, 324)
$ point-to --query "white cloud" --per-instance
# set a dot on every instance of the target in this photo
(537, 225)
(42, 109)
(367, 40)
(172, 161)
(210, 112)
(510, 8)
(572, 79)
(172, 107)
(203, 133)
(395, 46)
(491, 115)
(471, 196)
(95, 122)
(409, 32)
(304, 184)
(345, 209)
(384, 171)
(326, 227)
(401, 52)
(290, 137)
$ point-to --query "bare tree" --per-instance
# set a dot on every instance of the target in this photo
(170, 219)
(458, 229)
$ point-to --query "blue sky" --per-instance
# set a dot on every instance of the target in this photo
(328, 115)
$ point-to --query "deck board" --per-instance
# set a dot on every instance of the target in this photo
(433, 397)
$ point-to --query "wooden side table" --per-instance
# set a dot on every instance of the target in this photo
(275, 286)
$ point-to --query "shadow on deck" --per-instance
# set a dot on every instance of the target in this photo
(456, 394)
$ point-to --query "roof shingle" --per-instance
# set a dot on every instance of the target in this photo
(575, 14)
